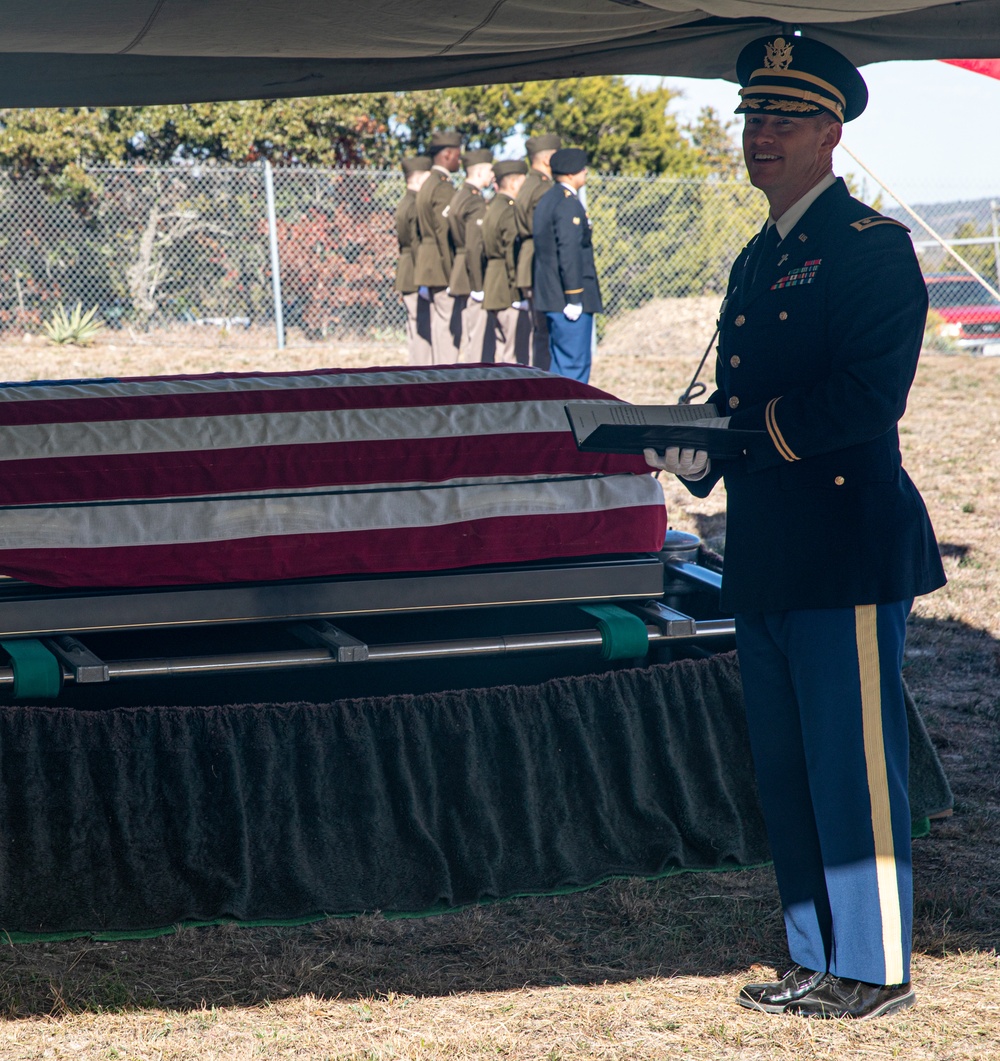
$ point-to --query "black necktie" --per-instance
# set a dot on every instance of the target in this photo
(768, 245)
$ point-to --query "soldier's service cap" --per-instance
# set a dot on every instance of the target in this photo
(798, 76)
(476, 158)
(440, 139)
(508, 166)
(569, 160)
(543, 142)
(415, 164)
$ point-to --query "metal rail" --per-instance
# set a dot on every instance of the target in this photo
(507, 644)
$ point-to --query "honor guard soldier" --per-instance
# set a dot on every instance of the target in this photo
(502, 297)
(540, 151)
(564, 277)
(418, 318)
(434, 252)
(468, 208)
(827, 539)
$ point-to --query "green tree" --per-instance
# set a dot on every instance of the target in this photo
(625, 131)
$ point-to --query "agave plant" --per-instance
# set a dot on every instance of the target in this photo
(76, 328)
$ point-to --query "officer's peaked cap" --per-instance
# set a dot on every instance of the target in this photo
(798, 76)
(415, 164)
(569, 160)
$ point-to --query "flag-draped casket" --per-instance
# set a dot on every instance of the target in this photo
(247, 477)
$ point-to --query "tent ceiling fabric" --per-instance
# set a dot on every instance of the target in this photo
(102, 52)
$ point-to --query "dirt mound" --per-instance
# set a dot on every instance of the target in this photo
(664, 326)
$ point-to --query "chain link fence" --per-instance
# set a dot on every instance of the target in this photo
(155, 248)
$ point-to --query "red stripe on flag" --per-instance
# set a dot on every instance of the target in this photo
(122, 476)
(100, 409)
(502, 540)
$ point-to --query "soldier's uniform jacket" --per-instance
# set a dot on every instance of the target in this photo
(406, 233)
(818, 354)
(467, 205)
(499, 238)
(434, 253)
(563, 270)
(536, 184)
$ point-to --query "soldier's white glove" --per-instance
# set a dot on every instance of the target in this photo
(477, 296)
(424, 293)
(690, 464)
(572, 311)
(521, 304)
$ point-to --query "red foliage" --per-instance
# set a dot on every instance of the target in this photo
(335, 262)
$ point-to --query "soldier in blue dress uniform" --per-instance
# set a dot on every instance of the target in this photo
(564, 277)
(827, 539)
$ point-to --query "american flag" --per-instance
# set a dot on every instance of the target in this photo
(175, 480)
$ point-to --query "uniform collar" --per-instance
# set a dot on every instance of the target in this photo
(568, 188)
(443, 171)
(793, 215)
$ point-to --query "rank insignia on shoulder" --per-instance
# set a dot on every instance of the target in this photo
(876, 219)
(576, 221)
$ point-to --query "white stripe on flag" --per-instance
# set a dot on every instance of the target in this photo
(195, 433)
(109, 525)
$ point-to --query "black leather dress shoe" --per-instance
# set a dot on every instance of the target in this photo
(837, 996)
(775, 996)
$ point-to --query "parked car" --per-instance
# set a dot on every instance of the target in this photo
(970, 314)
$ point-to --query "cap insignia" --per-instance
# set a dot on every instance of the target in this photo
(777, 54)
(790, 105)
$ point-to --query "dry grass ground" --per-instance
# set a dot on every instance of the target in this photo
(630, 970)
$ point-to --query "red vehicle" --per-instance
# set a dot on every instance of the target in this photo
(971, 314)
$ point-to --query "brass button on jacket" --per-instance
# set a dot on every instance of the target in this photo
(839, 480)
(783, 315)
(734, 402)
(740, 321)
(735, 360)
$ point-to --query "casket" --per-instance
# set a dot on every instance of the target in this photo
(233, 478)
(197, 501)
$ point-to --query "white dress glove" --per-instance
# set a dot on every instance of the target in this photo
(424, 293)
(690, 464)
(572, 311)
(522, 304)
(476, 296)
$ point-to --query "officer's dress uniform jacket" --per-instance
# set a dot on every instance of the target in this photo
(406, 235)
(465, 219)
(536, 184)
(434, 252)
(563, 269)
(499, 245)
(818, 353)
(467, 204)
(435, 256)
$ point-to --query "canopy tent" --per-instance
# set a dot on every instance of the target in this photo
(106, 52)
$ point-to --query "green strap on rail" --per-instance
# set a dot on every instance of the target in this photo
(37, 673)
(623, 635)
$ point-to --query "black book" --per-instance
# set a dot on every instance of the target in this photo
(616, 427)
